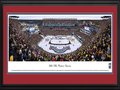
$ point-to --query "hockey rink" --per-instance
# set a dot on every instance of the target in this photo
(60, 44)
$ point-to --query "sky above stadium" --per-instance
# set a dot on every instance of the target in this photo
(60, 16)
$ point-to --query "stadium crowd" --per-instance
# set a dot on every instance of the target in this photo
(19, 50)
(98, 50)
(59, 22)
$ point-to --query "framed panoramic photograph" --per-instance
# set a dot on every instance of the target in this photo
(60, 43)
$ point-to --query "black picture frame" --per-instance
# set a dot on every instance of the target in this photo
(59, 2)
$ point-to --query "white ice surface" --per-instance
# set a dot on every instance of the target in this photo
(74, 45)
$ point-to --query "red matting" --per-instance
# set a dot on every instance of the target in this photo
(60, 78)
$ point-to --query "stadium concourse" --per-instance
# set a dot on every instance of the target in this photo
(59, 40)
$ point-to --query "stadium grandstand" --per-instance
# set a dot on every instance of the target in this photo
(77, 40)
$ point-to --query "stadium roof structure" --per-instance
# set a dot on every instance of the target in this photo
(106, 17)
(14, 17)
